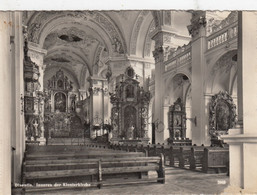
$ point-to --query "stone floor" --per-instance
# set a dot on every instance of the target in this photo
(178, 181)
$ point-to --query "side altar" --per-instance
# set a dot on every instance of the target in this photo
(129, 114)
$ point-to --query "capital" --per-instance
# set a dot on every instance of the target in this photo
(197, 22)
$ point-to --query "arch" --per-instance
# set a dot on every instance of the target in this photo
(141, 20)
(219, 72)
(185, 72)
(149, 43)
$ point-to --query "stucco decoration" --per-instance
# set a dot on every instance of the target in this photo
(198, 20)
(232, 17)
(41, 19)
(156, 18)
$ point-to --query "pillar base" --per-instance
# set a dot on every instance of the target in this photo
(243, 169)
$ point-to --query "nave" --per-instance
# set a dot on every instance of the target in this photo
(155, 89)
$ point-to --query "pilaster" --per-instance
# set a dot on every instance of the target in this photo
(162, 43)
(197, 29)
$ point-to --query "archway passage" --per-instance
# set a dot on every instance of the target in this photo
(177, 101)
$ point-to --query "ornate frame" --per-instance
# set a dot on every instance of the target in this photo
(224, 97)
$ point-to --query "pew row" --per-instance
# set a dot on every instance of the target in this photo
(96, 170)
(200, 158)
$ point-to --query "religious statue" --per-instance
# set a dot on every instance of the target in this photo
(73, 104)
(130, 132)
(35, 125)
(117, 45)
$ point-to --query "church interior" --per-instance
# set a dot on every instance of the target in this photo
(91, 99)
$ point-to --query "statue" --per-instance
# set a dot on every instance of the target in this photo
(35, 125)
(130, 132)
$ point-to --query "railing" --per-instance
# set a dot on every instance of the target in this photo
(223, 33)
(178, 59)
(222, 36)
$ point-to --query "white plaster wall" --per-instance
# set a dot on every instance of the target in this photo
(5, 103)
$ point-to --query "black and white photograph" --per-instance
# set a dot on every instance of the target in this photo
(128, 101)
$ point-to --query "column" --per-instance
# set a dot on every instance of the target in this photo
(198, 44)
(242, 140)
(37, 56)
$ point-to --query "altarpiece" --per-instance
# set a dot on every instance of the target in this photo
(129, 114)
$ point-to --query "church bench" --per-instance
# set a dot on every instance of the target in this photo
(184, 156)
(174, 155)
(82, 155)
(60, 149)
(215, 160)
(40, 165)
(102, 169)
(196, 157)
(150, 150)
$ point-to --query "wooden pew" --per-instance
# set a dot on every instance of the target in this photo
(174, 155)
(184, 156)
(100, 168)
(215, 160)
(196, 157)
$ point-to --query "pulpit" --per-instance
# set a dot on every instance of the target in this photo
(129, 115)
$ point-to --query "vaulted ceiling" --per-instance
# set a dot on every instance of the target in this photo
(83, 42)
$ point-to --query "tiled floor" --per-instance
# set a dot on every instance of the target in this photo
(178, 181)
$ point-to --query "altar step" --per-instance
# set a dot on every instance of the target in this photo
(69, 141)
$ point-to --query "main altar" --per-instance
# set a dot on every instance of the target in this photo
(61, 119)
(129, 114)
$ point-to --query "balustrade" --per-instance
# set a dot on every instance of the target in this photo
(219, 37)
(178, 60)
